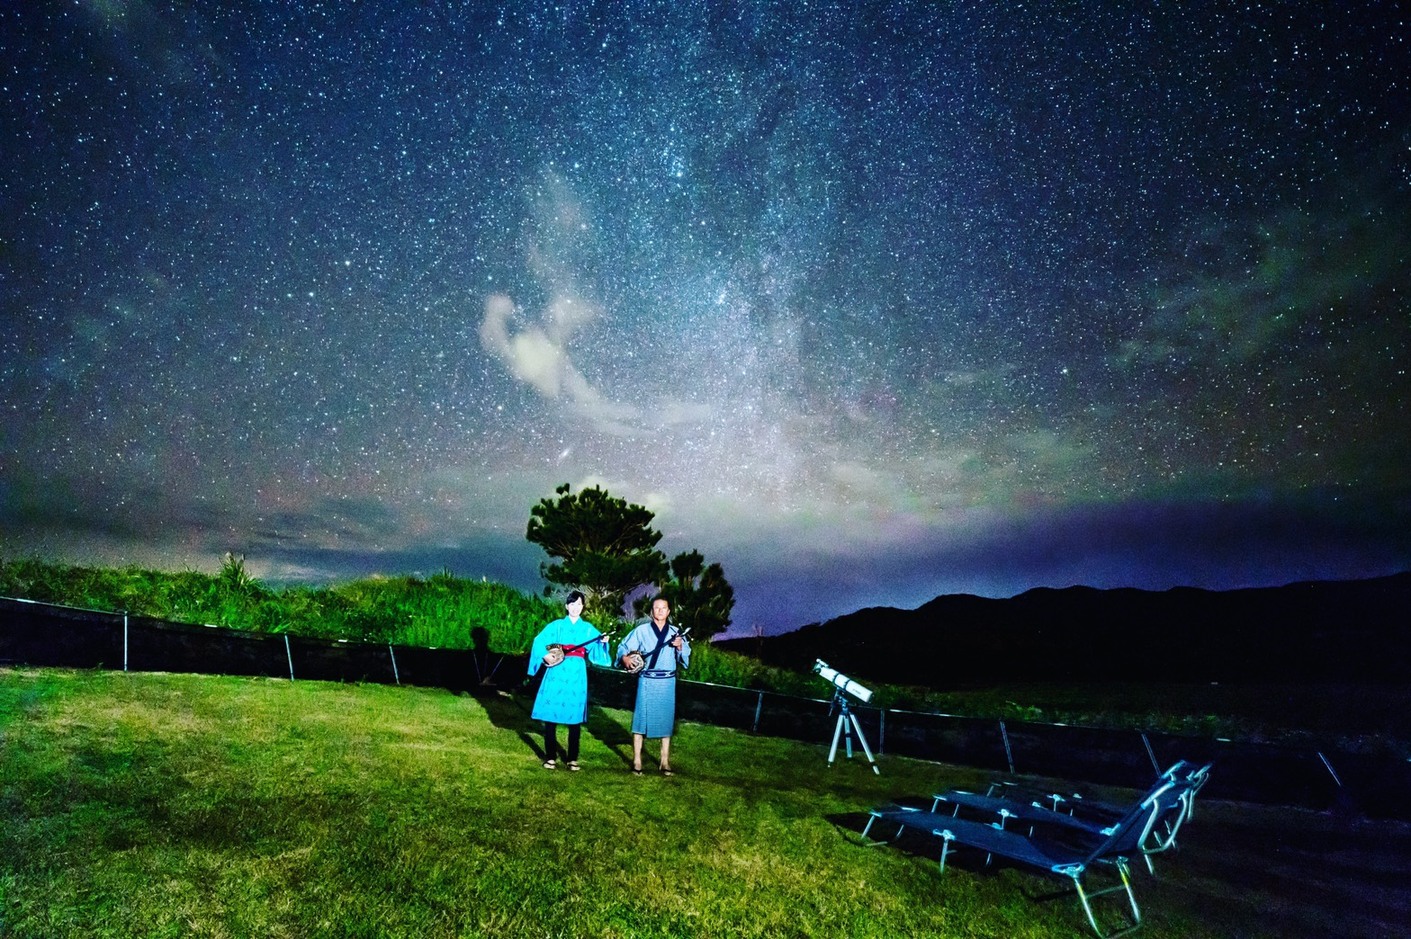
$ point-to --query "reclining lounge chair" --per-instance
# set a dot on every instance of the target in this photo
(1095, 818)
(1056, 850)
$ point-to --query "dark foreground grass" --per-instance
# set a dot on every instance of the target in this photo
(178, 805)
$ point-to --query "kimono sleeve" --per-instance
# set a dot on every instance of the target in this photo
(597, 651)
(537, 650)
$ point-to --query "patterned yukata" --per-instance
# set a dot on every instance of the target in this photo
(655, 713)
(563, 694)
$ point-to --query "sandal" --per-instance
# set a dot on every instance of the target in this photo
(573, 766)
(666, 771)
(550, 764)
(636, 770)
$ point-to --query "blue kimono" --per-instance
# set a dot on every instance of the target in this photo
(654, 715)
(563, 694)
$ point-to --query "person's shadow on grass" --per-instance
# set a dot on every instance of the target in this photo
(509, 708)
(613, 735)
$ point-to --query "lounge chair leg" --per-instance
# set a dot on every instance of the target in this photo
(1127, 882)
(1126, 886)
(868, 827)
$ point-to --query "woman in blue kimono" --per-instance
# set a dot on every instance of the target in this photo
(564, 648)
(655, 650)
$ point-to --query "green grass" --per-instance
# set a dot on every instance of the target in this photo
(150, 805)
(441, 610)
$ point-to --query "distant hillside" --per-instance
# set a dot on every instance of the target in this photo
(1346, 630)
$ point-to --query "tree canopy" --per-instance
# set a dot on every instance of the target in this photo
(605, 546)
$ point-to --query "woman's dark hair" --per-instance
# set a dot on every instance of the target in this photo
(574, 595)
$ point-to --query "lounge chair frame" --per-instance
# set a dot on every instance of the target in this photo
(1058, 857)
(1094, 818)
(1093, 813)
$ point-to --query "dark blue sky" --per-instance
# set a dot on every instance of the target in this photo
(869, 302)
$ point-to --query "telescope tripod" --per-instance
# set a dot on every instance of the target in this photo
(847, 723)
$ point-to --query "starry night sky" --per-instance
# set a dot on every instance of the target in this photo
(869, 302)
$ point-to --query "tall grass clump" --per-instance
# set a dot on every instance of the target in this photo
(449, 612)
(441, 611)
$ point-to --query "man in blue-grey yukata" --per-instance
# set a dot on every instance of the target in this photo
(564, 648)
(655, 650)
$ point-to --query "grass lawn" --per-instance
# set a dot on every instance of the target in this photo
(150, 805)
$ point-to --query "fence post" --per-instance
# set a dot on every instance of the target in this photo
(289, 655)
(881, 731)
(124, 640)
(392, 652)
(759, 706)
(1008, 753)
(1331, 772)
(1150, 754)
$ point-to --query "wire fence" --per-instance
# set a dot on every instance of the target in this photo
(39, 634)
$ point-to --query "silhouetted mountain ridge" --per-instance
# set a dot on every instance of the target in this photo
(1326, 630)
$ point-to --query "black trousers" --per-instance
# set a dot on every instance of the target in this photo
(551, 744)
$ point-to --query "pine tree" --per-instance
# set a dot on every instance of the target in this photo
(605, 547)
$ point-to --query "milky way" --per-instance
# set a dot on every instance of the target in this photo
(867, 301)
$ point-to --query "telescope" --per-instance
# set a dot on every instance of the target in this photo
(847, 720)
(841, 681)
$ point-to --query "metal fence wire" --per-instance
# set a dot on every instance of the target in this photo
(39, 634)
